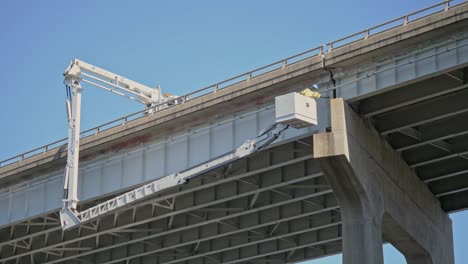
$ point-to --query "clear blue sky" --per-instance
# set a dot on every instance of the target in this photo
(181, 45)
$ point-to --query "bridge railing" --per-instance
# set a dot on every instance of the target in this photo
(389, 25)
(244, 77)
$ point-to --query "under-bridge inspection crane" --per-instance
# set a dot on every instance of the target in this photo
(294, 109)
(79, 71)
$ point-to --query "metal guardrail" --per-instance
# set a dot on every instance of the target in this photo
(280, 64)
(391, 24)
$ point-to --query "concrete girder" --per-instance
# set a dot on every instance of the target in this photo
(445, 176)
(449, 126)
(415, 115)
(458, 75)
(444, 169)
(41, 250)
(453, 184)
(448, 149)
(426, 121)
(379, 195)
(300, 232)
(454, 202)
(449, 130)
(430, 161)
(430, 89)
(280, 163)
(214, 184)
(415, 134)
(452, 192)
(195, 225)
(431, 141)
(312, 244)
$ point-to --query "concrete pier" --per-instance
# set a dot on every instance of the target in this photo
(381, 198)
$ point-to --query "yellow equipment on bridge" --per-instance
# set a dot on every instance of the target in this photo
(312, 93)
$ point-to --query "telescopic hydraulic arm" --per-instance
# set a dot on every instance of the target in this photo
(71, 218)
(85, 72)
(76, 73)
(291, 109)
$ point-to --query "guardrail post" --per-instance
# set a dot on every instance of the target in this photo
(330, 47)
(447, 5)
(249, 75)
(285, 63)
(405, 21)
(366, 34)
(216, 88)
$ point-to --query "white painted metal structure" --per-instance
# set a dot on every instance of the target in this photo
(80, 71)
(296, 110)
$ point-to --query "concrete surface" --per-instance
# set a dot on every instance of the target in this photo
(243, 95)
(234, 214)
(379, 195)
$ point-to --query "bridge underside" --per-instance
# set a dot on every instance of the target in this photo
(273, 207)
(427, 123)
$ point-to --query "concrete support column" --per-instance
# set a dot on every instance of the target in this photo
(362, 229)
(380, 197)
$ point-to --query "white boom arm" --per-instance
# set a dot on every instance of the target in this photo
(291, 109)
(71, 218)
(112, 82)
(80, 71)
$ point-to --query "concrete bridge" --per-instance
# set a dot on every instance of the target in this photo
(386, 163)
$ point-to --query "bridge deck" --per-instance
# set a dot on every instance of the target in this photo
(245, 91)
(409, 81)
